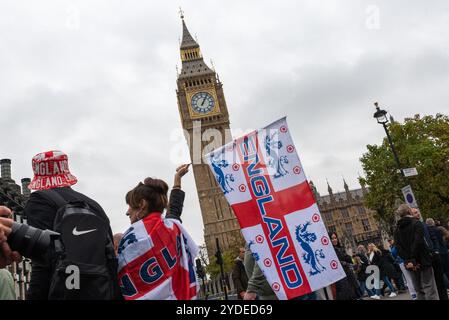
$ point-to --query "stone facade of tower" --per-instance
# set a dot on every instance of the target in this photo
(345, 214)
(202, 106)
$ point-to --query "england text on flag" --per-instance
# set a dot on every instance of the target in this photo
(264, 182)
(156, 261)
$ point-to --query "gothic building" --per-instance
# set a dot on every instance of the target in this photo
(14, 197)
(345, 214)
(202, 106)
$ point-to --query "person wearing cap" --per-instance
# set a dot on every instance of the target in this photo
(51, 172)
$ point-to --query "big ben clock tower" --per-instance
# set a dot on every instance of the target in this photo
(202, 106)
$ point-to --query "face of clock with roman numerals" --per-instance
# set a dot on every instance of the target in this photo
(203, 102)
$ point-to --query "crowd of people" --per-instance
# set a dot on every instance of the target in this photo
(415, 261)
(153, 259)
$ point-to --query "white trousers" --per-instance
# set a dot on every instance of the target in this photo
(408, 279)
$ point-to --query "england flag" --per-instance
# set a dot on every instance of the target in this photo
(263, 180)
(156, 261)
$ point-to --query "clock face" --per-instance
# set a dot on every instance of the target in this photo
(203, 102)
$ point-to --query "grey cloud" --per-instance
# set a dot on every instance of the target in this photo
(104, 90)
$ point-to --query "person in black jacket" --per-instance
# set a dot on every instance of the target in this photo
(376, 257)
(389, 270)
(441, 251)
(51, 171)
(239, 276)
(435, 257)
(362, 264)
(346, 288)
(412, 247)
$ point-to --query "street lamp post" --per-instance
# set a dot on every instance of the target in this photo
(220, 263)
(381, 117)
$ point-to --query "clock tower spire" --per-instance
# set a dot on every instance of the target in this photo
(188, 45)
(202, 107)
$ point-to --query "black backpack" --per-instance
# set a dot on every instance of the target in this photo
(84, 266)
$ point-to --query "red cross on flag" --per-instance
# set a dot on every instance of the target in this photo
(263, 180)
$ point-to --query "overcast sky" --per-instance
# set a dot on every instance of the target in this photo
(97, 80)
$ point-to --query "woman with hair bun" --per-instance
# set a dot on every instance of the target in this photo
(156, 253)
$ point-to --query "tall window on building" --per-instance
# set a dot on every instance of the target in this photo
(328, 216)
(361, 210)
(331, 229)
(348, 227)
(345, 213)
(366, 226)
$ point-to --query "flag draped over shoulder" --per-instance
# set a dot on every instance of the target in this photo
(156, 261)
(264, 182)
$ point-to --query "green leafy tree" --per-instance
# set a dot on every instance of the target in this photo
(422, 143)
(213, 268)
(229, 256)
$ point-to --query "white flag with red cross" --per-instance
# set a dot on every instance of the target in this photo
(263, 180)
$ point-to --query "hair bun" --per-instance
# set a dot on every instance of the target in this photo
(157, 185)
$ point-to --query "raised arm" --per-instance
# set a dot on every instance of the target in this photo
(177, 196)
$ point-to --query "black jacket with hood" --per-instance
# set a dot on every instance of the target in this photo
(40, 213)
(409, 239)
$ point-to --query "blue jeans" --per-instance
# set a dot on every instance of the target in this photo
(389, 285)
(400, 282)
(363, 288)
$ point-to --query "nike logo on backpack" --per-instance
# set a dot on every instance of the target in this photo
(79, 233)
